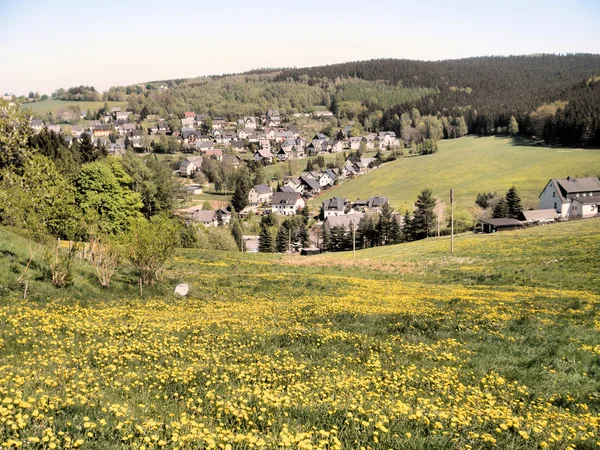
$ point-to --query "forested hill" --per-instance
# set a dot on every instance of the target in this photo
(387, 94)
(486, 90)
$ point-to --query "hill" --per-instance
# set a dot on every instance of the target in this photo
(472, 165)
(266, 352)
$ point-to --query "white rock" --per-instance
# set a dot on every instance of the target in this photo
(182, 289)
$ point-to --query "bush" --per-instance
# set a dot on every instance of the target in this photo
(151, 243)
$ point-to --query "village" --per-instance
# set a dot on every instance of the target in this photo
(273, 139)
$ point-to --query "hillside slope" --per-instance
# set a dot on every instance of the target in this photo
(559, 256)
(471, 165)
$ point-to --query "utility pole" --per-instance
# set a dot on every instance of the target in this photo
(451, 220)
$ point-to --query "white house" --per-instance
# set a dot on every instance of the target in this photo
(261, 193)
(572, 197)
(287, 203)
(190, 165)
(335, 206)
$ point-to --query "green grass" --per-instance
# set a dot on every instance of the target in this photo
(267, 345)
(472, 165)
(558, 256)
(51, 106)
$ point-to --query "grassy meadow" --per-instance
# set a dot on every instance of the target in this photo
(50, 106)
(392, 350)
(471, 165)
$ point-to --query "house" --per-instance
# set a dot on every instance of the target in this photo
(346, 222)
(243, 134)
(494, 225)
(583, 207)
(335, 206)
(189, 166)
(238, 146)
(336, 146)
(261, 193)
(188, 122)
(137, 139)
(326, 179)
(101, 131)
(37, 125)
(263, 155)
(206, 217)
(223, 216)
(287, 203)
(218, 123)
(248, 122)
(293, 183)
(54, 128)
(372, 203)
(115, 110)
(310, 186)
(204, 146)
(189, 115)
(216, 153)
(76, 131)
(269, 133)
(162, 127)
(265, 144)
(122, 115)
(538, 216)
(283, 155)
(191, 136)
(282, 135)
(332, 176)
(116, 149)
(571, 197)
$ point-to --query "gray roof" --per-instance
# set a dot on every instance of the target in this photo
(263, 189)
(285, 198)
(334, 204)
(502, 222)
(332, 174)
(587, 200)
(376, 202)
(539, 214)
(344, 221)
(286, 189)
(312, 184)
(204, 215)
(574, 185)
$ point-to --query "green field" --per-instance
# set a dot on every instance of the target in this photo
(551, 256)
(472, 165)
(51, 106)
(277, 352)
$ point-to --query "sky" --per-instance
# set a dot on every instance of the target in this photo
(47, 45)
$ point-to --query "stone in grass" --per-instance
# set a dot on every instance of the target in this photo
(182, 289)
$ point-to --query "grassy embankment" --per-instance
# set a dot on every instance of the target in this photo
(51, 106)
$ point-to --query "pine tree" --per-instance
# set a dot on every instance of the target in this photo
(240, 197)
(265, 240)
(500, 210)
(325, 238)
(513, 203)
(236, 232)
(282, 238)
(407, 231)
(424, 217)
(395, 236)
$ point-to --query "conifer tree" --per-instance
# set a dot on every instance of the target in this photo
(513, 126)
(236, 232)
(513, 203)
(283, 237)
(424, 217)
(265, 240)
(500, 210)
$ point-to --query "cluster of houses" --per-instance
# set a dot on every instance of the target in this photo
(124, 124)
(561, 199)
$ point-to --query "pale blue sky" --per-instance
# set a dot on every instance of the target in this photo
(46, 45)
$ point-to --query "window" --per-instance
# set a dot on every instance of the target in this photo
(554, 205)
(554, 194)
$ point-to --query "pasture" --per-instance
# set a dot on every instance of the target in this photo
(472, 165)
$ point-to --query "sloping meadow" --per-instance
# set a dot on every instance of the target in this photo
(269, 356)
